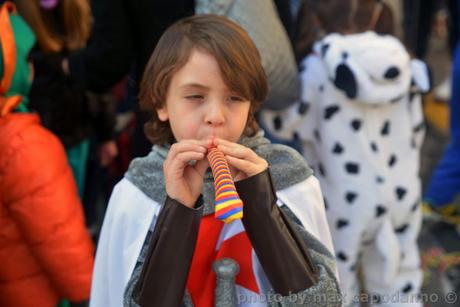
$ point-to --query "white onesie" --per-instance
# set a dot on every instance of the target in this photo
(360, 123)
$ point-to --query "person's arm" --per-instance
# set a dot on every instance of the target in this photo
(299, 120)
(109, 54)
(164, 275)
(300, 268)
(43, 200)
(283, 255)
(165, 270)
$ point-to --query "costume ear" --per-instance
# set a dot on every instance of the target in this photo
(421, 77)
(162, 113)
(346, 81)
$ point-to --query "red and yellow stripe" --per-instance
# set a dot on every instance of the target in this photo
(228, 205)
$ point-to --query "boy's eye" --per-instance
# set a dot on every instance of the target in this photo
(236, 99)
(194, 97)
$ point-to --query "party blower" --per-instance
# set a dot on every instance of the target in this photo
(229, 206)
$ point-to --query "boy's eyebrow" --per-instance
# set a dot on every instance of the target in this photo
(195, 85)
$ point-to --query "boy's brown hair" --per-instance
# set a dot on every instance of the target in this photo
(234, 51)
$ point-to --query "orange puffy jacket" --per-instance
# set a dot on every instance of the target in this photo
(45, 251)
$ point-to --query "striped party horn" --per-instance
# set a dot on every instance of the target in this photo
(229, 206)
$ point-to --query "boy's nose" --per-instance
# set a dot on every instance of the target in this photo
(215, 115)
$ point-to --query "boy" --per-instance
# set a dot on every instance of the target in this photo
(160, 239)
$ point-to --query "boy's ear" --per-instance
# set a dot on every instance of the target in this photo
(162, 113)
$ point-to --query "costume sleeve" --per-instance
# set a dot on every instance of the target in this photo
(43, 200)
(282, 249)
(326, 292)
(285, 260)
(298, 121)
(164, 274)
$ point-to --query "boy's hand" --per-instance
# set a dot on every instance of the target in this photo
(184, 182)
(246, 162)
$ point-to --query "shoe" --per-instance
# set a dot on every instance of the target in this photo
(447, 213)
(442, 92)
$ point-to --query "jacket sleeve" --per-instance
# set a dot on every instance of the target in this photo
(164, 274)
(43, 200)
(288, 258)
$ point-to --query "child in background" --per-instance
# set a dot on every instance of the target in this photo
(370, 14)
(76, 117)
(160, 239)
(45, 251)
(361, 125)
(443, 194)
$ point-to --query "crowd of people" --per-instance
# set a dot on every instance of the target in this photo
(108, 109)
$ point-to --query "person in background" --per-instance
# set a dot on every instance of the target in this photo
(442, 195)
(123, 37)
(361, 125)
(126, 32)
(46, 254)
(63, 28)
(370, 14)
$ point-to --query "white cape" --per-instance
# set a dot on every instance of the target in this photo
(130, 214)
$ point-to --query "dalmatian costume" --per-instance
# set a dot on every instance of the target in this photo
(361, 127)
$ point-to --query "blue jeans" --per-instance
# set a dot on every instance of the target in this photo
(445, 183)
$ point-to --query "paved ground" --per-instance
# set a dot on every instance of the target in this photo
(439, 243)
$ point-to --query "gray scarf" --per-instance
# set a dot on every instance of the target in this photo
(287, 168)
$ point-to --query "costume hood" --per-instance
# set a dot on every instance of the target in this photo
(371, 68)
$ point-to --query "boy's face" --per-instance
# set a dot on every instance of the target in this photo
(199, 104)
